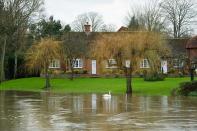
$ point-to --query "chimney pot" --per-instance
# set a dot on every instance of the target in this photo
(87, 27)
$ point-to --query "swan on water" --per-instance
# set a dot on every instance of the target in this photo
(107, 95)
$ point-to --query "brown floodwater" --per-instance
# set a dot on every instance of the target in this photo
(45, 111)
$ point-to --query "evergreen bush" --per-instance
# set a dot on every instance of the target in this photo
(154, 77)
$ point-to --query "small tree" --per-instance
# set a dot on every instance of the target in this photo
(128, 49)
(40, 55)
(75, 46)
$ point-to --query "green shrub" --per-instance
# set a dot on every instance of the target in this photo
(187, 88)
(84, 72)
(75, 71)
(68, 72)
(154, 77)
(172, 71)
(81, 71)
(194, 93)
(181, 74)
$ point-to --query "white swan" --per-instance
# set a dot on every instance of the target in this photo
(107, 96)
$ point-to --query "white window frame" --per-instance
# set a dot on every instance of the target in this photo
(113, 64)
(177, 63)
(55, 64)
(144, 64)
(78, 63)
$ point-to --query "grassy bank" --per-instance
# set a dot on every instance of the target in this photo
(95, 85)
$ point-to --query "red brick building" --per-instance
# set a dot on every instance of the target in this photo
(176, 63)
(192, 48)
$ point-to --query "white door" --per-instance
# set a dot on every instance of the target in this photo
(128, 63)
(164, 66)
(93, 67)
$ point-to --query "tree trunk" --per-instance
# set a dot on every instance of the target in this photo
(175, 29)
(192, 74)
(128, 72)
(47, 84)
(72, 74)
(2, 75)
(72, 70)
(15, 64)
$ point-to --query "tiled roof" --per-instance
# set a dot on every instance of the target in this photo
(192, 43)
(177, 46)
(123, 29)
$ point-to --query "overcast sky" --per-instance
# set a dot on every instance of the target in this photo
(113, 11)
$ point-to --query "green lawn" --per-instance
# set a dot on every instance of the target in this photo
(95, 85)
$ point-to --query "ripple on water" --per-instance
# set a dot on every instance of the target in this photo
(68, 112)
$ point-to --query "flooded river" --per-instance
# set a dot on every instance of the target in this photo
(27, 111)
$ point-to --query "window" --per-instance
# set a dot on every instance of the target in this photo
(55, 64)
(144, 64)
(111, 63)
(177, 63)
(78, 63)
(128, 63)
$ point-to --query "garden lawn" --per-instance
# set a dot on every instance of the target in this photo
(95, 85)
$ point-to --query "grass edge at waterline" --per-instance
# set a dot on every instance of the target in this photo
(96, 85)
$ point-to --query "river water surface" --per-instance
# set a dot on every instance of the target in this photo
(45, 111)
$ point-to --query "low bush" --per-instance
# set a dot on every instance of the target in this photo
(181, 74)
(80, 71)
(77, 71)
(154, 77)
(186, 88)
(84, 72)
(172, 71)
(193, 93)
(68, 72)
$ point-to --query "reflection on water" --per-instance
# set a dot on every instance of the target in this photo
(22, 111)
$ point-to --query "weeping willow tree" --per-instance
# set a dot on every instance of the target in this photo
(128, 49)
(40, 56)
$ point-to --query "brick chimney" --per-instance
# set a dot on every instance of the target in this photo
(87, 28)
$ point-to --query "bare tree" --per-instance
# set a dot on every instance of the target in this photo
(15, 16)
(78, 24)
(108, 28)
(179, 14)
(147, 17)
(6, 29)
(153, 19)
(96, 21)
(93, 18)
(22, 11)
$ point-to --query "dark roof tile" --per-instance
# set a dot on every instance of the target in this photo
(192, 43)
